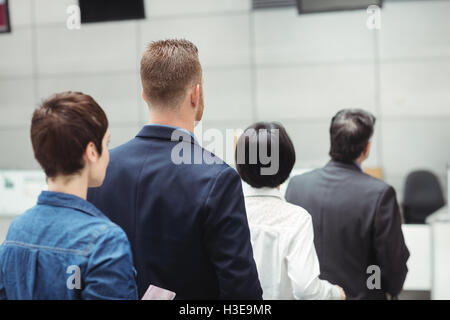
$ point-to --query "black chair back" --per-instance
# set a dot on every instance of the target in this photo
(422, 196)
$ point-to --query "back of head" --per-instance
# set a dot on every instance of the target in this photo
(168, 69)
(264, 155)
(350, 132)
(61, 129)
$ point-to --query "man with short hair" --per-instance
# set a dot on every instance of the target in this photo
(356, 218)
(181, 207)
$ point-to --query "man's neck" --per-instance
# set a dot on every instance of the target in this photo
(359, 162)
(171, 120)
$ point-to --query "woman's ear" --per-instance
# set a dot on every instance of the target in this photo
(91, 153)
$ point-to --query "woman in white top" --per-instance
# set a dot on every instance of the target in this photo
(281, 233)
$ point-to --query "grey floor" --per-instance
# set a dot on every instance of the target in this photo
(415, 295)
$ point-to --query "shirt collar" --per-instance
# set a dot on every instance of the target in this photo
(163, 131)
(59, 199)
(358, 165)
(249, 191)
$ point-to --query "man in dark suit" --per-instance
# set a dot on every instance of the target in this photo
(181, 207)
(356, 218)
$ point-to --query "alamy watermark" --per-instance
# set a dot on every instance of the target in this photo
(373, 21)
(374, 280)
(263, 147)
(73, 21)
(74, 280)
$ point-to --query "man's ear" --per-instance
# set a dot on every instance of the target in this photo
(195, 95)
(143, 96)
(367, 149)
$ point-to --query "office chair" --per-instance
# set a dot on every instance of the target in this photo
(422, 196)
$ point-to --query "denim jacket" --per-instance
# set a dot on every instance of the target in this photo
(65, 248)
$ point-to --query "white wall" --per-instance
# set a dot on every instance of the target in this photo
(4, 225)
(264, 65)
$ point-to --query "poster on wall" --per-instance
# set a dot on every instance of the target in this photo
(4, 17)
(19, 190)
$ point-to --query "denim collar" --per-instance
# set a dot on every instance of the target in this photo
(59, 199)
(161, 131)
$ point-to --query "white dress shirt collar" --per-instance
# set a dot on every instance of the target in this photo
(249, 191)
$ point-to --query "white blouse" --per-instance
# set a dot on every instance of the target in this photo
(283, 247)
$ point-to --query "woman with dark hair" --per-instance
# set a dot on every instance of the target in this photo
(281, 233)
(64, 247)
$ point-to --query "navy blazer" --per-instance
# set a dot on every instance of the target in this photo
(186, 222)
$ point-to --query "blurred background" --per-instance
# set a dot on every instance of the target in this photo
(262, 60)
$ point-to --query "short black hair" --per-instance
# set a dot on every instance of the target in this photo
(268, 134)
(350, 132)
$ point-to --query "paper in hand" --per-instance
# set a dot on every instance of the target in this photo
(156, 293)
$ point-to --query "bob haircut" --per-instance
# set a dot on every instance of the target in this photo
(265, 134)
